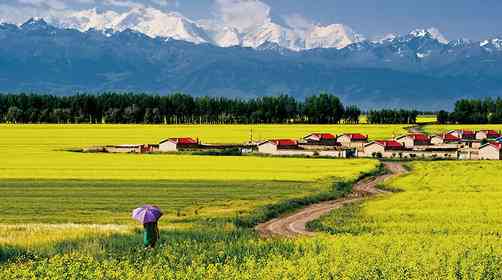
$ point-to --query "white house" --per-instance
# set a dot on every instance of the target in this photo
(283, 147)
(327, 139)
(463, 134)
(491, 151)
(445, 139)
(412, 140)
(175, 144)
(383, 148)
(487, 134)
(353, 140)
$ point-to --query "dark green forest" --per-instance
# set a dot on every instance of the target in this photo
(179, 108)
(173, 109)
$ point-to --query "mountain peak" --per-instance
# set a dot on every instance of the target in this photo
(432, 33)
(495, 43)
(35, 23)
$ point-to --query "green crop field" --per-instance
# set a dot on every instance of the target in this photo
(444, 221)
(59, 205)
(34, 152)
(66, 215)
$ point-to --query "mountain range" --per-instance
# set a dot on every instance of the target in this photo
(134, 52)
(171, 25)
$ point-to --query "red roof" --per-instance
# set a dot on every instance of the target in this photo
(357, 136)
(284, 142)
(450, 137)
(322, 136)
(468, 133)
(183, 141)
(419, 137)
(389, 144)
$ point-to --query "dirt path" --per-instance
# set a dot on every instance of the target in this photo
(294, 224)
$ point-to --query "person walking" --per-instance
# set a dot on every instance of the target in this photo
(149, 216)
(151, 235)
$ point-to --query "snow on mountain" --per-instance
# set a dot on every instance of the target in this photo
(149, 21)
(430, 32)
(273, 33)
(385, 38)
(157, 23)
(221, 35)
(331, 36)
(491, 44)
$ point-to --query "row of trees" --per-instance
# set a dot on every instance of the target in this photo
(474, 111)
(393, 117)
(173, 109)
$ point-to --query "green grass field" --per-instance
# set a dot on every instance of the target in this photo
(66, 215)
(444, 222)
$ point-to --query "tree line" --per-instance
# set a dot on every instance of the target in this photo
(473, 111)
(393, 116)
(178, 108)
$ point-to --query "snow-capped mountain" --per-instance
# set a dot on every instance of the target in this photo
(156, 23)
(416, 69)
(332, 36)
(492, 44)
(431, 33)
(149, 21)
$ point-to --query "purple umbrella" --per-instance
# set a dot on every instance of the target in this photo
(147, 214)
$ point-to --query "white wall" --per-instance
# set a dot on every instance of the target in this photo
(168, 146)
(490, 153)
(267, 148)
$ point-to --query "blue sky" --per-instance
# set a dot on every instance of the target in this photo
(455, 18)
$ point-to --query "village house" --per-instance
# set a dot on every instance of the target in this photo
(353, 140)
(445, 139)
(463, 134)
(126, 148)
(491, 151)
(176, 144)
(285, 147)
(414, 139)
(383, 149)
(326, 139)
(487, 134)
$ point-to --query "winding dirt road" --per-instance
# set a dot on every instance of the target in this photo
(295, 224)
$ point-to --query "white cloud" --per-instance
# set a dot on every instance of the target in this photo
(243, 14)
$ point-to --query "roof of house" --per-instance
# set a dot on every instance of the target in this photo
(181, 140)
(491, 133)
(463, 132)
(449, 137)
(282, 142)
(417, 137)
(356, 136)
(389, 144)
(321, 136)
(497, 145)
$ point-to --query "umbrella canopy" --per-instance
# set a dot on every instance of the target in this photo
(147, 214)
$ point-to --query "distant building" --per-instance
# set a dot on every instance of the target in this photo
(414, 139)
(382, 148)
(273, 146)
(491, 151)
(487, 134)
(463, 134)
(126, 148)
(321, 139)
(176, 144)
(445, 139)
(353, 140)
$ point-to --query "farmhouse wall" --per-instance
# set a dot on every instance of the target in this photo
(168, 146)
(490, 153)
